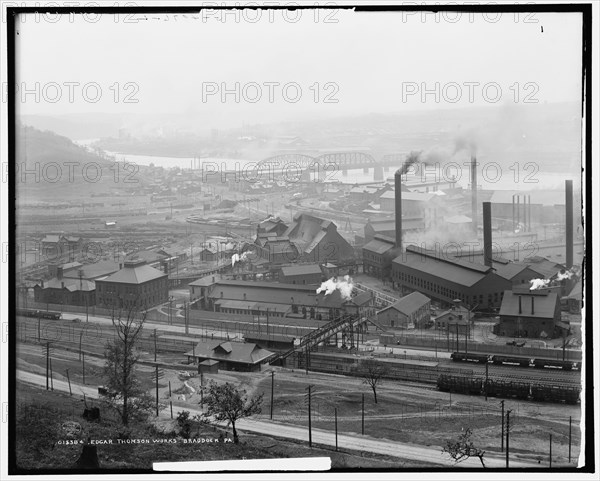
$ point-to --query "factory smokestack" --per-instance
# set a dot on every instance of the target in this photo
(474, 192)
(532, 304)
(487, 234)
(569, 221)
(398, 208)
(520, 307)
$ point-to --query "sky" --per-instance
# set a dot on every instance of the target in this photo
(275, 68)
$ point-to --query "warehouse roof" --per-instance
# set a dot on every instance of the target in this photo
(301, 269)
(544, 304)
(409, 304)
(510, 270)
(543, 266)
(94, 271)
(72, 285)
(230, 351)
(135, 274)
(269, 337)
(448, 259)
(411, 196)
(436, 267)
(378, 246)
(206, 280)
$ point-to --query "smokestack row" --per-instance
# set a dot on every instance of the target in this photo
(398, 208)
(569, 221)
(487, 234)
(474, 193)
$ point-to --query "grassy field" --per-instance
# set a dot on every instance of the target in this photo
(43, 418)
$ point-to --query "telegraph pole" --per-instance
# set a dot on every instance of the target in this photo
(155, 347)
(309, 417)
(156, 367)
(83, 365)
(272, 388)
(550, 457)
(570, 420)
(502, 437)
(363, 414)
(507, 434)
(69, 380)
(336, 438)
(486, 380)
(457, 349)
(47, 365)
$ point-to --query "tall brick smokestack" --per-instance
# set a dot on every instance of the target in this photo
(398, 208)
(569, 221)
(474, 192)
(487, 234)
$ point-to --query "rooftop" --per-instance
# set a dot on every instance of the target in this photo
(135, 273)
(229, 351)
(409, 304)
(544, 304)
(301, 269)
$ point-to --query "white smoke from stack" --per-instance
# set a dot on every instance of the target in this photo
(344, 286)
(538, 284)
(566, 275)
(239, 258)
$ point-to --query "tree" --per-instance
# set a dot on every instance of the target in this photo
(125, 394)
(227, 403)
(463, 448)
(372, 372)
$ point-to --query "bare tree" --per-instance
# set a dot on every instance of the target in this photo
(124, 392)
(225, 402)
(372, 372)
(463, 448)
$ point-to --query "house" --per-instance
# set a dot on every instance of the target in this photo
(231, 355)
(456, 321)
(52, 245)
(59, 271)
(135, 286)
(387, 227)
(73, 292)
(412, 311)
(208, 254)
(301, 274)
(529, 313)
(271, 225)
(199, 289)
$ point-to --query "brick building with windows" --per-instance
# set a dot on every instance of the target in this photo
(136, 285)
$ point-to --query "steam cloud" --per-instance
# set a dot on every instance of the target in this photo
(561, 276)
(344, 286)
(239, 258)
(539, 284)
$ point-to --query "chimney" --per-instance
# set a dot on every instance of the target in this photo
(42, 281)
(474, 192)
(244, 296)
(569, 221)
(120, 266)
(59, 272)
(62, 285)
(532, 304)
(487, 234)
(213, 279)
(520, 308)
(398, 208)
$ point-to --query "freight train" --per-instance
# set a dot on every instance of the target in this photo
(38, 313)
(537, 362)
(509, 389)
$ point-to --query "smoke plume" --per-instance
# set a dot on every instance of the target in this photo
(239, 258)
(344, 286)
(538, 284)
(412, 158)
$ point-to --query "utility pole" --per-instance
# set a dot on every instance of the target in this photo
(550, 457)
(336, 437)
(272, 388)
(570, 420)
(83, 365)
(502, 437)
(486, 380)
(155, 346)
(156, 370)
(170, 402)
(309, 418)
(363, 414)
(457, 349)
(39, 329)
(51, 376)
(507, 434)
(69, 380)
(47, 364)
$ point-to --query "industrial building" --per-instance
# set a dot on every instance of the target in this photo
(74, 292)
(445, 278)
(378, 255)
(306, 239)
(529, 313)
(231, 355)
(412, 311)
(456, 320)
(135, 286)
(301, 274)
